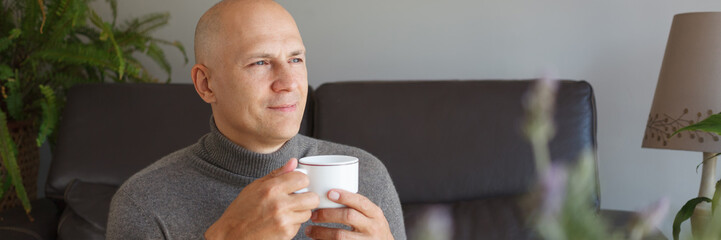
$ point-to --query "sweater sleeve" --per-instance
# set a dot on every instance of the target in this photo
(127, 220)
(376, 184)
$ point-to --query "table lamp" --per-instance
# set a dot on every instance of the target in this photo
(688, 91)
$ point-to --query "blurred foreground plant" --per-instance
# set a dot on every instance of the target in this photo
(562, 201)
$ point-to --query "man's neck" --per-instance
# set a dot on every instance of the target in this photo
(251, 142)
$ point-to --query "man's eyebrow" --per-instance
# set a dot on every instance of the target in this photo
(268, 55)
(297, 53)
(260, 55)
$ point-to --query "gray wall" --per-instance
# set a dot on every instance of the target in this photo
(616, 45)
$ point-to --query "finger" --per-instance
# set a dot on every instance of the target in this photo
(288, 167)
(355, 201)
(318, 232)
(347, 216)
(304, 201)
(289, 182)
(301, 217)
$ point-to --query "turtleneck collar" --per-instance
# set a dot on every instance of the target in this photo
(221, 152)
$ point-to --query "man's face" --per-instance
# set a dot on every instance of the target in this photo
(259, 77)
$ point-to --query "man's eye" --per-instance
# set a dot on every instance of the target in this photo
(296, 60)
(260, 63)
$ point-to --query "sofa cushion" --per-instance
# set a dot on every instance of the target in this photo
(448, 141)
(86, 212)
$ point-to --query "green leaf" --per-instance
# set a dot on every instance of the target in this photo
(50, 114)
(685, 213)
(5, 186)
(140, 72)
(176, 44)
(107, 29)
(114, 8)
(6, 41)
(147, 23)
(716, 197)
(158, 56)
(79, 54)
(96, 20)
(711, 124)
(180, 47)
(5, 72)
(14, 100)
(8, 152)
(704, 161)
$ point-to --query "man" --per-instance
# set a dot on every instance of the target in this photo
(237, 181)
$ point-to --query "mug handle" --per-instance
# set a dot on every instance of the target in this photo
(304, 172)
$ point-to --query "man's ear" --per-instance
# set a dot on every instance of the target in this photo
(201, 80)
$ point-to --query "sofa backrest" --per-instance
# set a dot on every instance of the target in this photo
(455, 145)
(110, 131)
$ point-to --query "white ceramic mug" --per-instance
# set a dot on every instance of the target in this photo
(327, 172)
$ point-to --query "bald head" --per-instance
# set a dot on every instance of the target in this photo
(250, 67)
(235, 15)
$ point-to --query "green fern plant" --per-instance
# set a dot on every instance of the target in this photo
(47, 46)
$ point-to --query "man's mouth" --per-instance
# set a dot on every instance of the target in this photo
(284, 108)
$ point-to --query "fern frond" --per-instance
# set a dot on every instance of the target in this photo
(79, 54)
(96, 20)
(50, 114)
(176, 44)
(147, 23)
(144, 76)
(86, 32)
(114, 8)
(8, 151)
(118, 53)
(14, 100)
(132, 41)
(5, 72)
(107, 33)
(79, 12)
(158, 56)
(64, 20)
(93, 73)
(66, 81)
(62, 7)
(29, 17)
(6, 41)
(131, 71)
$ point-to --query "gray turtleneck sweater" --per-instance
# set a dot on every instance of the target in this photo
(182, 194)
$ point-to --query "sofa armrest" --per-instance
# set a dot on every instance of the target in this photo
(619, 219)
(14, 224)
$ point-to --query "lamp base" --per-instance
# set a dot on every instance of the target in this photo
(702, 213)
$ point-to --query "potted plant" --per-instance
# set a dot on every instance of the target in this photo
(47, 46)
(712, 229)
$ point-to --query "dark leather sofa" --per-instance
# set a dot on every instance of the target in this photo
(451, 147)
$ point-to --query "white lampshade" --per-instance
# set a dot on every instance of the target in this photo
(689, 85)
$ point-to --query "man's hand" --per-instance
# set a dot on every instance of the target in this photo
(363, 216)
(267, 208)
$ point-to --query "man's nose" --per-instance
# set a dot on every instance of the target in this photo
(284, 78)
